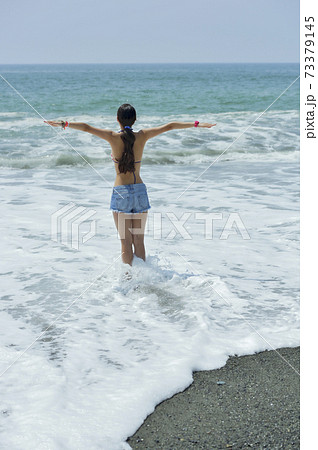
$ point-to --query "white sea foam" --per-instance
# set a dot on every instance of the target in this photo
(126, 343)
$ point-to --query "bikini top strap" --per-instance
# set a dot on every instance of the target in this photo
(112, 157)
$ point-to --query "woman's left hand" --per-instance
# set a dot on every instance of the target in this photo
(54, 123)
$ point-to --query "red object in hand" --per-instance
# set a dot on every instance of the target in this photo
(196, 123)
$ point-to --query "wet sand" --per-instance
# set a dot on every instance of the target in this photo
(251, 402)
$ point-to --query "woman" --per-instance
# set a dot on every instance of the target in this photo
(129, 201)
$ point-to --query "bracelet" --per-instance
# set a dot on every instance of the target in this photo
(196, 123)
(65, 124)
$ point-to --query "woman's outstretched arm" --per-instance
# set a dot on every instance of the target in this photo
(108, 135)
(152, 132)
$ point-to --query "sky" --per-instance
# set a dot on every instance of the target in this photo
(148, 31)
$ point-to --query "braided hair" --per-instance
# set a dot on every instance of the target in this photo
(126, 115)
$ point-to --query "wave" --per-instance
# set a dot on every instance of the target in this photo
(237, 135)
(70, 160)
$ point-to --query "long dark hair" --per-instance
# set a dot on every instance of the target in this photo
(126, 115)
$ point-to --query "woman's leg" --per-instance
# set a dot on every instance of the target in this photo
(123, 224)
(138, 224)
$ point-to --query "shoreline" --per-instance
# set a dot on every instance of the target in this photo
(256, 405)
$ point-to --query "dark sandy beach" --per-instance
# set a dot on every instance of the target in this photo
(255, 406)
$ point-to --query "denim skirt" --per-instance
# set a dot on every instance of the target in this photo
(130, 199)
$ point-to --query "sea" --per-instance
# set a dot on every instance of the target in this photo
(89, 346)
